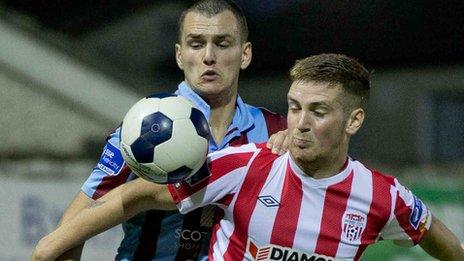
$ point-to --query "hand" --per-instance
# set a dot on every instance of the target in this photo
(278, 142)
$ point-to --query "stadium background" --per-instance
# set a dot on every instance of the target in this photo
(63, 64)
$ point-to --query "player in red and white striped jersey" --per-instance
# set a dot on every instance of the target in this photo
(270, 203)
(312, 203)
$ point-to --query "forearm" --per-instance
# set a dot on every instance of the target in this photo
(80, 202)
(83, 226)
(115, 207)
(74, 254)
(441, 243)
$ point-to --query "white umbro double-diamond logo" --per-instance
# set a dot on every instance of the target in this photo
(269, 201)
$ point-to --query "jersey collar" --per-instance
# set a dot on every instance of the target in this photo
(324, 182)
(242, 120)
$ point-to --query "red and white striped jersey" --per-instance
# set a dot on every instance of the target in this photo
(273, 211)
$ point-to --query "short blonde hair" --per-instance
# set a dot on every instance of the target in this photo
(335, 69)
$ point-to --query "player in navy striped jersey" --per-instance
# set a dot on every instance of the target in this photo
(311, 203)
(212, 49)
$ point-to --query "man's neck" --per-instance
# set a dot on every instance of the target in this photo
(221, 116)
(324, 168)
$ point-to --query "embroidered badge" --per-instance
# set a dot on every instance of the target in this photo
(111, 161)
(353, 225)
(416, 213)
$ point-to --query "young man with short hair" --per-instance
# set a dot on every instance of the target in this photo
(212, 49)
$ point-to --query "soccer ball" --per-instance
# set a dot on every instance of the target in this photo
(164, 138)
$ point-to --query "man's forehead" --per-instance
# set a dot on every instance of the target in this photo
(314, 92)
(316, 100)
(223, 23)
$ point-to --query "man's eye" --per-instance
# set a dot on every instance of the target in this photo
(318, 113)
(195, 45)
(223, 44)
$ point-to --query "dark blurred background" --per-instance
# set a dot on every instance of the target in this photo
(137, 36)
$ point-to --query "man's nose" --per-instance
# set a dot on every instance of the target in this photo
(210, 56)
(304, 122)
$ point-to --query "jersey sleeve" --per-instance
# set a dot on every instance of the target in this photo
(220, 177)
(410, 218)
(274, 121)
(109, 172)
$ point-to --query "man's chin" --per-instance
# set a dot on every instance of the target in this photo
(210, 87)
(299, 153)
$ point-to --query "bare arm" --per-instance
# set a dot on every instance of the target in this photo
(115, 207)
(441, 243)
(79, 203)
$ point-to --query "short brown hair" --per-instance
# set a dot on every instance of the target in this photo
(211, 8)
(335, 69)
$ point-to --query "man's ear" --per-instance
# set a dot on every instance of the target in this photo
(246, 55)
(179, 56)
(355, 121)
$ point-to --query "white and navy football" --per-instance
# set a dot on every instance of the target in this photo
(164, 138)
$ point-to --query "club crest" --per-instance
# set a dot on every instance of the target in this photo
(353, 226)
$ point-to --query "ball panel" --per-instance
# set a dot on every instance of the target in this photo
(130, 130)
(153, 173)
(156, 128)
(148, 171)
(142, 150)
(127, 155)
(175, 107)
(200, 123)
(186, 147)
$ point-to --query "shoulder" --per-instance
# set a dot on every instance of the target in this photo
(387, 185)
(384, 178)
(268, 114)
(274, 121)
(115, 136)
(379, 177)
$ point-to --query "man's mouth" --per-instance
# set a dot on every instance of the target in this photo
(209, 75)
(301, 143)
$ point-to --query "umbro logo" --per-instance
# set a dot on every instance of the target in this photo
(269, 201)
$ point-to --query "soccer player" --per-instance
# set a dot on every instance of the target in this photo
(311, 203)
(212, 49)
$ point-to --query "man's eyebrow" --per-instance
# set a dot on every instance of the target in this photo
(223, 36)
(194, 36)
(312, 104)
(320, 104)
(201, 36)
(290, 99)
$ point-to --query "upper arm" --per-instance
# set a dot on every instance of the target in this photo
(410, 218)
(110, 171)
(441, 243)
